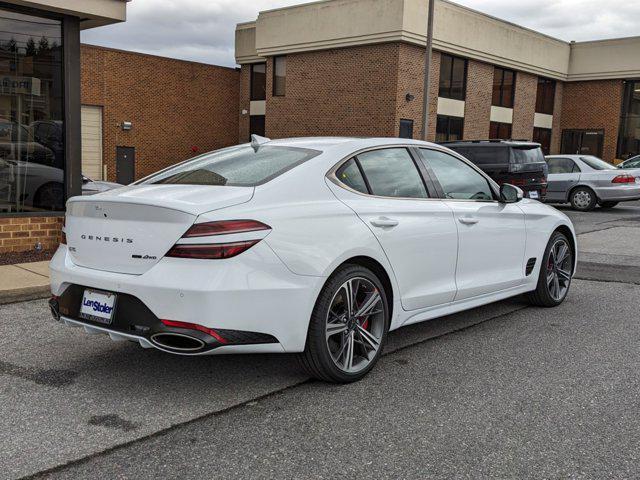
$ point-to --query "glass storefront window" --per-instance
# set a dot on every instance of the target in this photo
(629, 141)
(31, 114)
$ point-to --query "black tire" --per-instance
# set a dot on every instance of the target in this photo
(317, 357)
(543, 296)
(583, 199)
(608, 204)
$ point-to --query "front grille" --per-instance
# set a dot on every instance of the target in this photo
(531, 264)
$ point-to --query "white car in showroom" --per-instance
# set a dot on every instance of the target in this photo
(319, 246)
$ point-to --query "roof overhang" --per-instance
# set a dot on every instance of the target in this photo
(92, 13)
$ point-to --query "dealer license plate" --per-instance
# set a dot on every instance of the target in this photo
(98, 306)
(534, 194)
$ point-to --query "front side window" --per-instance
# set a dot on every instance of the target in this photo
(546, 96)
(32, 150)
(500, 131)
(449, 129)
(392, 173)
(458, 180)
(258, 81)
(453, 77)
(239, 166)
(279, 76)
(503, 87)
(562, 165)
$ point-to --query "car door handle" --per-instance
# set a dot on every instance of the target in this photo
(468, 220)
(383, 222)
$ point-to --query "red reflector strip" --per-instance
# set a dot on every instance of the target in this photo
(212, 251)
(225, 227)
(193, 326)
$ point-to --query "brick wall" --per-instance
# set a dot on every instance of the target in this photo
(594, 105)
(556, 128)
(410, 79)
(524, 106)
(23, 233)
(350, 91)
(245, 103)
(174, 105)
(477, 115)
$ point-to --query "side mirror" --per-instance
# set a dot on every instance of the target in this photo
(510, 193)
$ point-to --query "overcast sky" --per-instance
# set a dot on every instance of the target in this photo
(203, 30)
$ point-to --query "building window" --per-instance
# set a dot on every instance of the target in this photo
(503, 87)
(406, 128)
(453, 77)
(259, 81)
(449, 129)
(500, 131)
(256, 125)
(546, 97)
(32, 151)
(543, 137)
(279, 76)
(583, 142)
(629, 140)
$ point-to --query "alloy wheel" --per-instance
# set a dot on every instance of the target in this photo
(559, 268)
(355, 325)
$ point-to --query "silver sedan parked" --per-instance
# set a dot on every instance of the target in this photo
(586, 181)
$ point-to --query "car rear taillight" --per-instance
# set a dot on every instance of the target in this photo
(225, 227)
(218, 250)
(624, 179)
(193, 326)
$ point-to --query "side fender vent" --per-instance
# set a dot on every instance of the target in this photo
(531, 264)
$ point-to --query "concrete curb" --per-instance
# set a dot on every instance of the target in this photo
(24, 294)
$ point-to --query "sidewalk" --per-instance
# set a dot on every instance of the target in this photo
(24, 281)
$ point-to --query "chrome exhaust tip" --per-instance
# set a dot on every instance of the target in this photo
(177, 342)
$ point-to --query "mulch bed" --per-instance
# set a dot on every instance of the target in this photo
(25, 257)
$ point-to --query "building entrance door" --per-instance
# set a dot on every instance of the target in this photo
(583, 142)
(125, 165)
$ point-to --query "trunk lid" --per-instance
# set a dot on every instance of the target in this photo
(130, 229)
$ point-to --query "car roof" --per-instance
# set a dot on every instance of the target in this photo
(491, 143)
(325, 144)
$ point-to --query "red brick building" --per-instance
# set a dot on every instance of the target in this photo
(355, 67)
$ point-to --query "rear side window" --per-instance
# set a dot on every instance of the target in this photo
(239, 166)
(562, 165)
(350, 175)
(484, 155)
(597, 164)
(527, 155)
(392, 173)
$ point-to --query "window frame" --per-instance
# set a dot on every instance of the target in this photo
(432, 184)
(449, 119)
(274, 92)
(450, 73)
(252, 98)
(500, 124)
(502, 102)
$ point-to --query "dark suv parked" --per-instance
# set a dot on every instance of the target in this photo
(516, 162)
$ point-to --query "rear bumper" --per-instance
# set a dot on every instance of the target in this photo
(252, 294)
(619, 193)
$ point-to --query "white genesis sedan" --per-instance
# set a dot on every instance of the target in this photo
(319, 246)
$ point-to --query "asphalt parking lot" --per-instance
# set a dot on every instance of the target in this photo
(503, 391)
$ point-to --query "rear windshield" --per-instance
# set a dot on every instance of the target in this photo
(597, 164)
(239, 166)
(528, 155)
(482, 155)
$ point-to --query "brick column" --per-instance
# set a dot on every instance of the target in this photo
(477, 115)
(524, 106)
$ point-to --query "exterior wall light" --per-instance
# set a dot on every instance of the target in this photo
(410, 97)
(127, 126)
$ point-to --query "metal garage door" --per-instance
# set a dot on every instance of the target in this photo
(92, 142)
